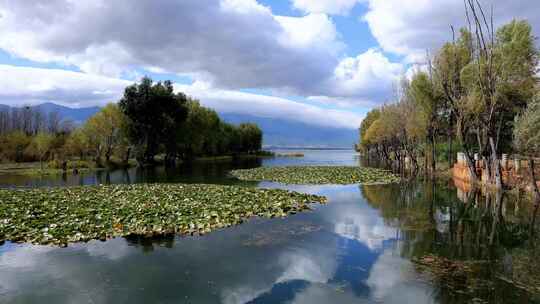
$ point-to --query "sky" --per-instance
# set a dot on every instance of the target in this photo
(320, 62)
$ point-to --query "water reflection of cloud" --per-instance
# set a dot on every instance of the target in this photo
(364, 228)
(391, 280)
(314, 263)
(323, 294)
(315, 267)
(239, 273)
(114, 249)
(354, 219)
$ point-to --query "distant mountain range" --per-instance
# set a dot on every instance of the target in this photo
(77, 115)
(277, 132)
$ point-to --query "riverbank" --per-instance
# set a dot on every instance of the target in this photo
(79, 166)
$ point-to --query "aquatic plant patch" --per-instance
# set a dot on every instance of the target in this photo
(62, 215)
(318, 175)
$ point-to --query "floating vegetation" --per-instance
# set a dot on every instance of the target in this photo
(61, 215)
(318, 175)
(290, 155)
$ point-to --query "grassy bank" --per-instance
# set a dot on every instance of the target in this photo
(35, 169)
(318, 175)
(56, 167)
(61, 215)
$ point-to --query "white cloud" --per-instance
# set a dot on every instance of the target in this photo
(410, 27)
(26, 85)
(368, 75)
(229, 101)
(232, 44)
(334, 7)
(308, 31)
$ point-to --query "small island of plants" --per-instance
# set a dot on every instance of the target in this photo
(62, 215)
(318, 175)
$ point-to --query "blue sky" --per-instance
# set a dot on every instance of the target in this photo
(321, 62)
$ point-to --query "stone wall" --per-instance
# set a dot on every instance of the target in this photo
(515, 172)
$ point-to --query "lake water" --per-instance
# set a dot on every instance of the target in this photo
(416, 242)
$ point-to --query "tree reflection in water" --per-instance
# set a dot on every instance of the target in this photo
(469, 244)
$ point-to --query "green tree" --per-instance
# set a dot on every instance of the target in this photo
(155, 114)
(527, 139)
(105, 132)
(429, 102)
(371, 116)
(499, 82)
(250, 137)
(77, 143)
(15, 143)
(40, 146)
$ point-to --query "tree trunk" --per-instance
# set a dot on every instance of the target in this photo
(126, 157)
(496, 168)
(433, 154)
(536, 194)
(472, 168)
(532, 183)
(497, 217)
(450, 152)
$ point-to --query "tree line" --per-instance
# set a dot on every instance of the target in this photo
(473, 93)
(150, 120)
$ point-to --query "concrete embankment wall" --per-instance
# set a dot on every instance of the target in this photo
(515, 172)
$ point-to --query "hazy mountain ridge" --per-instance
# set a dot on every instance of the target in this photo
(277, 132)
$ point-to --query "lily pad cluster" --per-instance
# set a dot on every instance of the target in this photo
(62, 215)
(318, 175)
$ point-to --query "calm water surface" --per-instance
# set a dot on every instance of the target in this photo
(369, 244)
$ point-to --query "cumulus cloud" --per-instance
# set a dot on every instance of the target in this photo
(231, 44)
(368, 75)
(308, 31)
(336, 7)
(27, 86)
(410, 27)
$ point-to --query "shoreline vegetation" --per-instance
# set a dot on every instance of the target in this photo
(59, 216)
(150, 125)
(318, 175)
(79, 166)
(479, 95)
(292, 154)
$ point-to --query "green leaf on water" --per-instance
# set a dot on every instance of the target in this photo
(62, 215)
(318, 175)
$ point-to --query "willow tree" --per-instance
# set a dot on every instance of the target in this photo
(448, 65)
(499, 81)
(413, 125)
(527, 140)
(374, 139)
(41, 145)
(429, 102)
(371, 116)
(106, 131)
